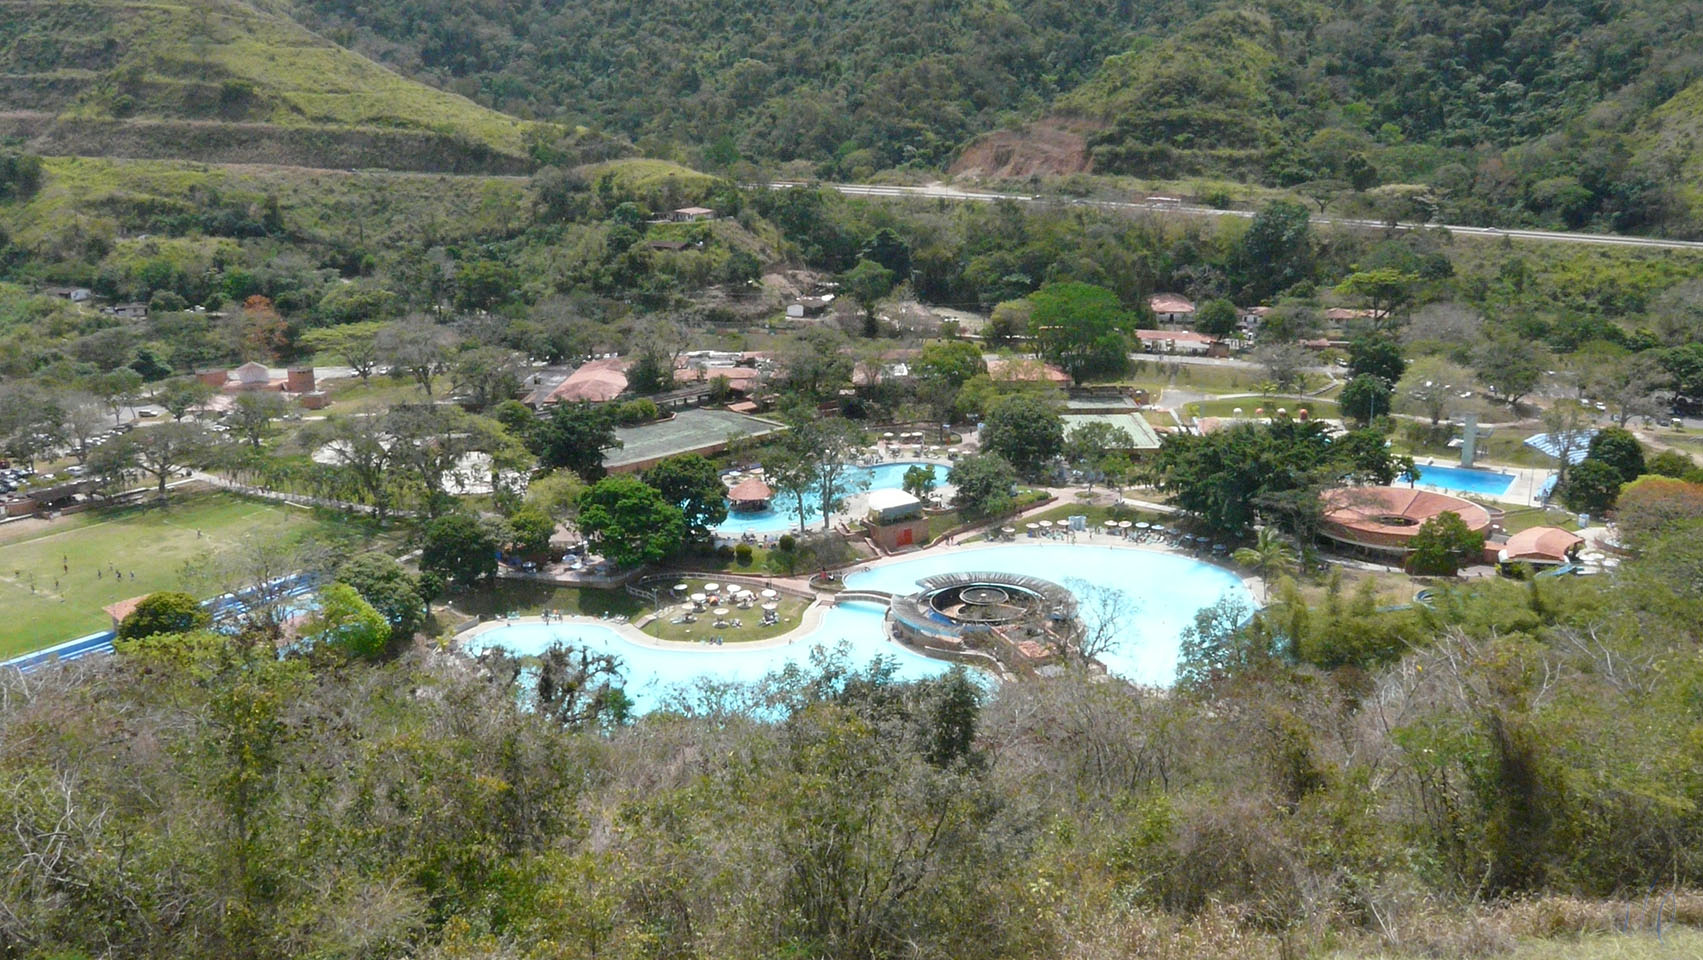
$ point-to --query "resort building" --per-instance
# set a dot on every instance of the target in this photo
(749, 496)
(1384, 519)
(895, 520)
(1540, 547)
(1024, 623)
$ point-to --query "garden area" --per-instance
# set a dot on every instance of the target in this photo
(709, 608)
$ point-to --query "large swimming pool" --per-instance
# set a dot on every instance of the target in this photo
(883, 476)
(1489, 483)
(1167, 591)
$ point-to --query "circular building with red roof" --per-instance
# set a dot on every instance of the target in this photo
(1384, 519)
(750, 494)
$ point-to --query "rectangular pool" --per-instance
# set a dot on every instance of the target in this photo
(1489, 483)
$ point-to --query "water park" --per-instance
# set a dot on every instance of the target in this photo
(873, 611)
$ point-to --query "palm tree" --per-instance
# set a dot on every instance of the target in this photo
(1271, 555)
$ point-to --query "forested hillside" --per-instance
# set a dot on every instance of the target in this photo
(1570, 113)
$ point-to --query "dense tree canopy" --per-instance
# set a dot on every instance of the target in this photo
(629, 522)
(1082, 328)
(1025, 430)
(693, 484)
(460, 549)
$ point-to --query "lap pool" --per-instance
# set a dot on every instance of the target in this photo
(1488, 483)
(882, 476)
(1167, 590)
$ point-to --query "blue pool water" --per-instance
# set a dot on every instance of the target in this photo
(1461, 480)
(1167, 591)
(651, 672)
(884, 476)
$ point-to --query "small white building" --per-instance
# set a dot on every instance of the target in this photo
(691, 214)
(1171, 308)
(888, 505)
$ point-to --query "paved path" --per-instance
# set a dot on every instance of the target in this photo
(942, 192)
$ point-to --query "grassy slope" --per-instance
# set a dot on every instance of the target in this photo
(121, 195)
(1667, 142)
(152, 542)
(220, 61)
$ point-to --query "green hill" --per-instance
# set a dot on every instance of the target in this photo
(224, 81)
(1570, 113)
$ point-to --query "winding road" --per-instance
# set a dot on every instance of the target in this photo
(942, 192)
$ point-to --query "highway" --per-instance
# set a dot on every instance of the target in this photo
(941, 192)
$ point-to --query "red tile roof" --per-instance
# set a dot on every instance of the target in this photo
(1542, 543)
(598, 381)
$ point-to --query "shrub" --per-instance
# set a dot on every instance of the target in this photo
(1592, 487)
(742, 553)
(1442, 544)
(167, 611)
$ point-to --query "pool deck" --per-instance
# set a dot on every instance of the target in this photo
(812, 617)
(1522, 492)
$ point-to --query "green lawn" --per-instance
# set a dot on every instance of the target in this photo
(149, 545)
(528, 598)
(1327, 409)
(791, 609)
(353, 396)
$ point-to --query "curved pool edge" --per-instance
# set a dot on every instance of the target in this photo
(811, 619)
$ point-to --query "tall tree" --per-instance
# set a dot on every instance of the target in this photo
(253, 411)
(629, 522)
(460, 549)
(416, 348)
(692, 484)
(1026, 431)
(485, 376)
(1277, 251)
(359, 445)
(1376, 355)
(1082, 328)
(576, 436)
(1511, 367)
(164, 449)
(982, 486)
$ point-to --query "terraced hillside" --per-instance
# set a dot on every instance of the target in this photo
(227, 82)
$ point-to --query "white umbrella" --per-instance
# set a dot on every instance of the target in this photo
(720, 611)
(771, 605)
(698, 598)
(681, 588)
(1045, 524)
(1008, 529)
(1109, 523)
(887, 436)
(711, 587)
(770, 593)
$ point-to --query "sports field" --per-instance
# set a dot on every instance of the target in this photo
(55, 577)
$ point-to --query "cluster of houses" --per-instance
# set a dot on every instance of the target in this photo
(296, 383)
(697, 376)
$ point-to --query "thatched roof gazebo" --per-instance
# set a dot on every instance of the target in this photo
(750, 494)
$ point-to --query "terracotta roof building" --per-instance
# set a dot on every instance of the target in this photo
(596, 382)
(1385, 519)
(1541, 545)
(1003, 368)
(750, 494)
(1171, 308)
